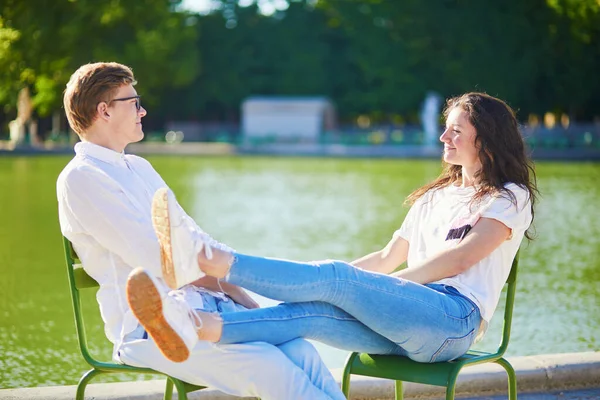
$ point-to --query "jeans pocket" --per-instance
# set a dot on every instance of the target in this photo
(453, 348)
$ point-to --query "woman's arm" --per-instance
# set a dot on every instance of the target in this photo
(485, 237)
(385, 260)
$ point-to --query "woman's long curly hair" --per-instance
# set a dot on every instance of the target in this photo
(501, 152)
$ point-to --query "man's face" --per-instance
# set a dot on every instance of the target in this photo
(125, 118)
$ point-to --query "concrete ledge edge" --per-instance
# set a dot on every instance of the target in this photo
(539, 373)
(290, 149)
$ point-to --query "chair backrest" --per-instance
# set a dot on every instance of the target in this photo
(510, 301)
(79, 279)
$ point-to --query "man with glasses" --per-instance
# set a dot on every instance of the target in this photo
(104, 198)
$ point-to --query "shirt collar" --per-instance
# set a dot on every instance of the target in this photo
(100, 153)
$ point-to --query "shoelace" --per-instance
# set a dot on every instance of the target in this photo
(203, 241)
(207, 239)
(179, 296)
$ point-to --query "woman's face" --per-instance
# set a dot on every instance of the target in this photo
(459, 140)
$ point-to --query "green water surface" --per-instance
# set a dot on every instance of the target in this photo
(303, 209)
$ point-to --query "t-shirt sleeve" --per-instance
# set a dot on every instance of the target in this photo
(408, 225)
(514, 216)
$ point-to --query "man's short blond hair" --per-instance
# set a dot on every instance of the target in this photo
(90, 85)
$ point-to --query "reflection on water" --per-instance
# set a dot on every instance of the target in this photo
(293, 208)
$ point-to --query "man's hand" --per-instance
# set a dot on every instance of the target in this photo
(240, 296)
(236, 293)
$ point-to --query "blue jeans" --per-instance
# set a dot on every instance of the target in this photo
(346, 307)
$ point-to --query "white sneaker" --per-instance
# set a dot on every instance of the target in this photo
(180, 240)
(166, 316)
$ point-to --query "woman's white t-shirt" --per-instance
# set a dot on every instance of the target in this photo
(440, 218)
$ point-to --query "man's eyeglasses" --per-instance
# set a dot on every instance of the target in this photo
(138, 103)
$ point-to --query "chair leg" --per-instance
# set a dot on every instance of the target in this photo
(85, 379)
(181, 393)
(451, 387)
(512, 378)
(450, 392)
(399, 391)
(168, 390)
(346, 374)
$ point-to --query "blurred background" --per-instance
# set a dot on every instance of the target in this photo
(365, 70)
(313, 77)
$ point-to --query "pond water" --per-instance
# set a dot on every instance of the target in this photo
(300, 208)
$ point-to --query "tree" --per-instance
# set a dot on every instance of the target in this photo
(376, 57)
(574, 33)
(43, 42)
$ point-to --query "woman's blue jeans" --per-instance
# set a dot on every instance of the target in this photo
(346, 307)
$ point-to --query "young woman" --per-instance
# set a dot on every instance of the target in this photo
(459, 239)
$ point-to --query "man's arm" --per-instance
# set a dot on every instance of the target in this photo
(387, 259)
(487, 235)
(238, 294)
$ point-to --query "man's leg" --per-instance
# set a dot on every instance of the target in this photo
(250, 369)
(305, 356)
(254, 366)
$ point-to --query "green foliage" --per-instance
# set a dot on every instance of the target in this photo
(371, 57)
(380, 57)
(43, 42)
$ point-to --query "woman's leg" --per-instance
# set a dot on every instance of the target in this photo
(313, 320)
(416, 317)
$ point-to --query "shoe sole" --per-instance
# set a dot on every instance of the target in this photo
(146, 304)
(162, 227)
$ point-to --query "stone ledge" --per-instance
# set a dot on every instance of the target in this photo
(288, 149)
(535, 374)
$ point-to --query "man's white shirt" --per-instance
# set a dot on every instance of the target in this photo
(104, 201)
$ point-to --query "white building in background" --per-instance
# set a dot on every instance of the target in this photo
(287, 118)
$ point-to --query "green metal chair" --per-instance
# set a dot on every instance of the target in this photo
(79, 280)
(442, 373)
